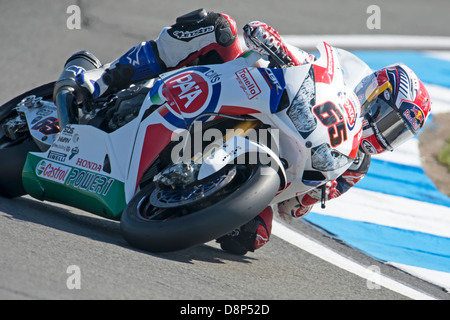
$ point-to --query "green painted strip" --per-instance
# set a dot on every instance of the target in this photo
(90, 191)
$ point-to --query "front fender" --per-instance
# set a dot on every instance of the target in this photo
(232, 151)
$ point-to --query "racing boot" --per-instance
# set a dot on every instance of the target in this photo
(249, 237)
(68, 90)
(86, 78)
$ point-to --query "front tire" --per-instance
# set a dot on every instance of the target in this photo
(221, 215)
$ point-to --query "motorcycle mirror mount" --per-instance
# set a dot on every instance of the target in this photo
(323, 197)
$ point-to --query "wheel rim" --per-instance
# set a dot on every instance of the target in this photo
(167, 204)
(169, 197)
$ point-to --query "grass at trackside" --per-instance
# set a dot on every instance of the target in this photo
(444, 154)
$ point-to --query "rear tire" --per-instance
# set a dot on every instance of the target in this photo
(13, 154)
(218, 216)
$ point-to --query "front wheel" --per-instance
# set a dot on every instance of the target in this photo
(230, 201)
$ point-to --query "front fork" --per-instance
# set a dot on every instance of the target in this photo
(247, 143)
(183, 173)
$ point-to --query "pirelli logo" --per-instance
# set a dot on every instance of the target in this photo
(247, 83)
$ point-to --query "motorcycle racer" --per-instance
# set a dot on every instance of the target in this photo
(398, 103)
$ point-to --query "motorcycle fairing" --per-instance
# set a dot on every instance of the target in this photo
(234, 88)
(42, 120)
(89, 171)
(324, 140)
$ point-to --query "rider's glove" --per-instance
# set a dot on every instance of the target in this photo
(264, 33)
(269, 37)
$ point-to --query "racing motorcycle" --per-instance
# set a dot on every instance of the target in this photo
(193, 154)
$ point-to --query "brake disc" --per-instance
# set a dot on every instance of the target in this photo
(181, 195)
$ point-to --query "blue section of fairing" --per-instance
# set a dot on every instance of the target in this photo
(277, 84)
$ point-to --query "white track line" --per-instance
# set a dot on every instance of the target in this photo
(364, 42)
(396, 42)
(369, 41)
(342, 262)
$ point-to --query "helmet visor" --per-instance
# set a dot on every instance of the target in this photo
(368, 90)
(390, 127)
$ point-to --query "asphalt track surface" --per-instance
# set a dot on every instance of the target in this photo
(40, 240)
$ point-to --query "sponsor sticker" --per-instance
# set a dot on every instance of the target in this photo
(273, 80)
(52, 171)
(346, 103)
(193, 33)
(74, 177)
(90, 181)
(247, 83)
(413, 115)
(58, 156)
(88, 164)
(187, 92)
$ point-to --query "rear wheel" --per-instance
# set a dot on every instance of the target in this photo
(161, 220)
(13, 152)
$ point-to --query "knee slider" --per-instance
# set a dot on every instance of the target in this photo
(192, 17)
(201, 21)
(225, 29)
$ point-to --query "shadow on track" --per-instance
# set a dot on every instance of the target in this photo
(93, 227)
